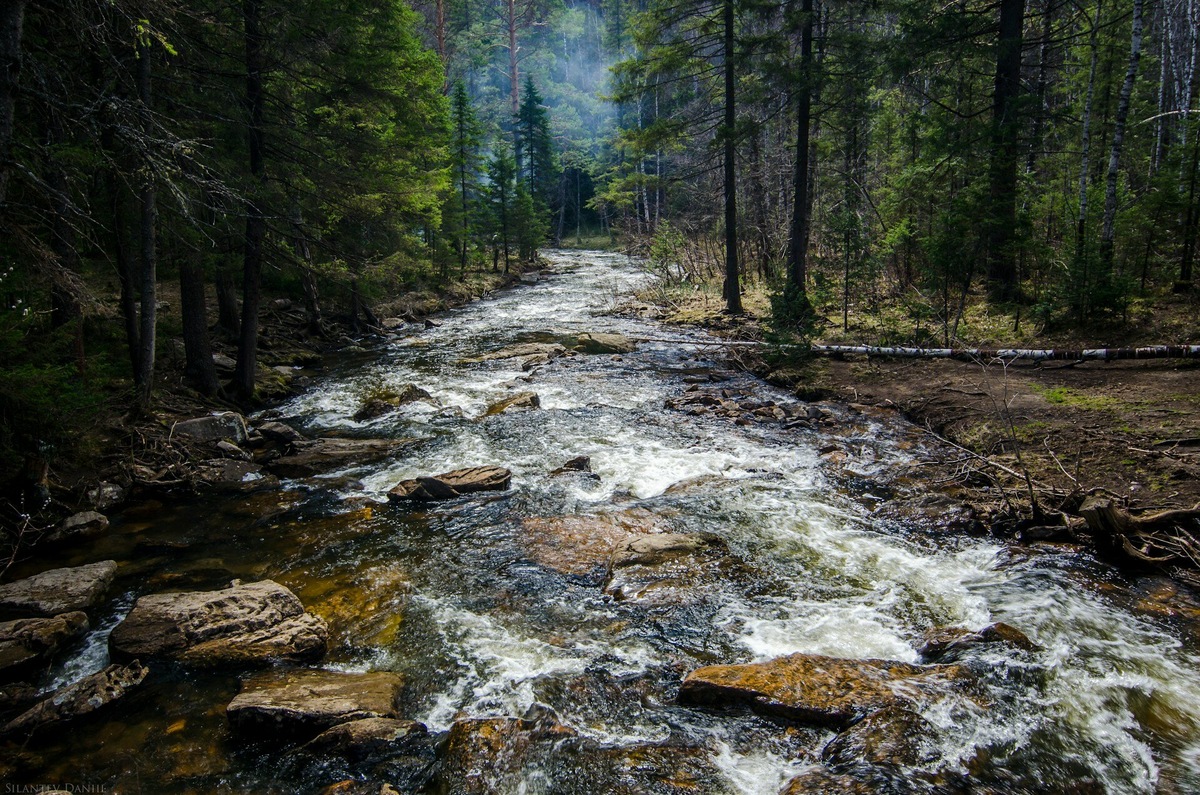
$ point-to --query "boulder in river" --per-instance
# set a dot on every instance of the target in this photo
(26, 642)
(303, 704)
(943, 644)
(58, 591)
(226, 425)
(580, 463)
(820, 781)
(449, 485)
(256, 623)
(232, 475)
(322, 455)
(521, 400)
(82, 698)
(77, 527)
(365, 738)
(582, 545)
(596, 342)
(547, 349)
(280, 432)
(389, 401)
(895, 737)
(812, 688)
(486, 755)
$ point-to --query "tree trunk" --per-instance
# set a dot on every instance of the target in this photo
(732, 289)
(228, 315)
(148, 243)
(1084, 169)
(12, 20)
(129, 310)
(796, 291)
(247, 361)
(308, 281)
(514, 76)
(196, 345)
(1114, 158)
(1002, 177)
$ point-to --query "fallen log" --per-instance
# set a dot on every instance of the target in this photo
(987, 354)
(962, 354)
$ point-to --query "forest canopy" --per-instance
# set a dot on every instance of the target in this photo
(1044, 154)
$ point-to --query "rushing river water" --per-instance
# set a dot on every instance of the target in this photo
(468, 602)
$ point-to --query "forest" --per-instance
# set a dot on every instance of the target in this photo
(850, 157)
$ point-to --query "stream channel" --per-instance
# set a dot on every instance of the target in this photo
(504, 604)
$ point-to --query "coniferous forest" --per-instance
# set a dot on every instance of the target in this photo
(574, 397)
(842, 157)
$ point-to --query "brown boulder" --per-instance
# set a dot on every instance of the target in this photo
(812, 688)
(583, 545)
(28, 641)
(449, 485)
(256, 623)
(322, 455)
(948, 643)
(58, 591)
(309, 702)
(521, 400)
(596, 342)
(580, 463)
(280, 432)
(388, 402)
(819, 781)
(486, 755)
(365, 738)
(549, 350)
(82, 698)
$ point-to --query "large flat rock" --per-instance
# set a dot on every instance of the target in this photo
(28, 641)
(449, 485)
(58, 591)
(812, 688)
(256, 623)
(82, 698)
(319, 456)
(583, 545)
(213, 428)
(307, 703)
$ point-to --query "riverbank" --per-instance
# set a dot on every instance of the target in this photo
(1026, 444)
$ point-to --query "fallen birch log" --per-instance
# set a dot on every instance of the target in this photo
(987, 354)
(962, 354)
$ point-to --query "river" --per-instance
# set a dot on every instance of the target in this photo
(487, 618)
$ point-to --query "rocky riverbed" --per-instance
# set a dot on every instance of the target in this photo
(535, 548)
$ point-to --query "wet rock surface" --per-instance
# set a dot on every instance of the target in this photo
(303, 704)
(28, 641)
(318, 456)
(598, 342)
(582, 545)
(226, 425)
(250, 624)
(58, 591)
(231, 475)
(521, 400)
(548, 350)
(893, 736)
(946, 644)
(811, 688)
(449, 485)
(77, 527)
(93, 693)
(381, 405)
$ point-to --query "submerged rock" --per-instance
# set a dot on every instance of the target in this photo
(256, 623)
(893, 736)
(226, 425)
(583, 545)
(366, 738)
(671, 568)
(486, 755)
(812, 688)
(82, 698)
(604, 343)
(322, 455)
(521, 400)
(58, 591)
(303, 704)
(449, 485)
(948, 643)
(29, 641)
(819, 781)
(549, 350)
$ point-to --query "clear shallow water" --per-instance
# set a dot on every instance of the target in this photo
(464, 599)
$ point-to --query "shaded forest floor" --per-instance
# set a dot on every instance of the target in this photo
(1129, 431)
